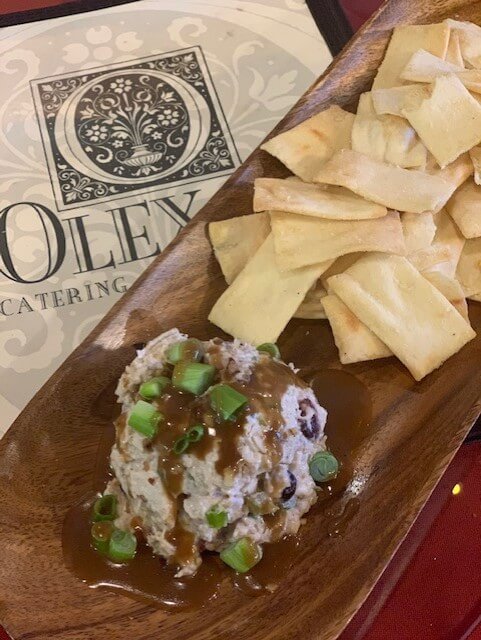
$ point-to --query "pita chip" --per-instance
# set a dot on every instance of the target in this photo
(419, 230)
(469, 267)
(312, 308)
(465, 209)
(453, 52)
(394, 187)
(306, 147)
(354, 341)
(447, 239)
(393, 101)
(386, 138)
(440, 121)
(295, 196)
(405, 41)
(475, 155)
(303, 240)
(339, 265)
(236, 240)
(405, 311)
(469, 35)
(451, 289)
(424, 67)
(257, 306)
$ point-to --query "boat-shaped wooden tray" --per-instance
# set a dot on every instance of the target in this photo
(49, 454)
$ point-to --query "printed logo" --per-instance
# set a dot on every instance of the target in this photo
(130, 128)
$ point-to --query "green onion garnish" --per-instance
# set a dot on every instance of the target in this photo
(242, 555)
(154, 387)
(193, 377)
(145, 419)
(226, 401)
(270, 348)
(105, 508)
(122, 546)
(323, 466)
(194, 434)
(181, 445)
(190, 350)
(216, 518)
(101, 533)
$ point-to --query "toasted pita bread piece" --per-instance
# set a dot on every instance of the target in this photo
(236, 240)
(295, 196)
(405, 41)
(453, 52)
(475, 155)
(386, 138)
(395, 188)
(306, 147)
(424, 67)
(469, 35)
(447, 239)
(339, 265)
(404, 310)
(451, 289)
(303, 240)
(393, 101)
(419, 230)
(312, 308)
(355, 342)
(430, 257)
(465, 209)
(440, 120)
(468, 272)
(260, 302)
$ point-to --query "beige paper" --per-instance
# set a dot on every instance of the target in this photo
(465, 209)
(395, 188)
(303, 240)
(257, 306)
(306, 147)
(404, 310)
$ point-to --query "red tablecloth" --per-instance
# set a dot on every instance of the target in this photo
(432, 588)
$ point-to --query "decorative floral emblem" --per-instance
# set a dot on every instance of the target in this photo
(126, 129)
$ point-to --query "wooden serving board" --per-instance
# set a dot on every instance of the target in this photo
(49, 455)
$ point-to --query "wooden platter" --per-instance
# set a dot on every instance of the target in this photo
(49, 455)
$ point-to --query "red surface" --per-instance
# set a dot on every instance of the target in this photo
(432, 588)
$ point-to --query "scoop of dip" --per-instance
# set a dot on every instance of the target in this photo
(218, 447)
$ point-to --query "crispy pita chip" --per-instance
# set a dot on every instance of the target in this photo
(476, 297)
(469, 267)
(465, 209)
(447, 237)
(339, 265)
(430, 257)
(456, 173)
(424, 67)
(355, 342)
(393, 101)
(404, 310)
(453, 52)
(295, 196)
(419, 230)
(451, 289)
(312, 308)
(469, 35)
(475, 155)
(306, 147)
(405, 41)
(386, 138)
(440, 120)
(302, 240)
(236, 240)
(395, 188)
(260, 302)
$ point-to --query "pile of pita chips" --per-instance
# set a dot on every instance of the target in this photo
(378, 232)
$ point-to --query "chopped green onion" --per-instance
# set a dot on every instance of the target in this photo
(145, 419)
(194, 434)
(270, 348)
(323, 466)
(193, 377)
(226, 401)
(190, 350)
(122, 546)
(100, 534)
(181, 445)
(105, 508)
(242, 555)
(216, 518)
(154, 387)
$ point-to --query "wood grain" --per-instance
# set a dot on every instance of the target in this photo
(49, 454)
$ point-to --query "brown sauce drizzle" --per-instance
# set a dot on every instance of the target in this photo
(147, 577)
